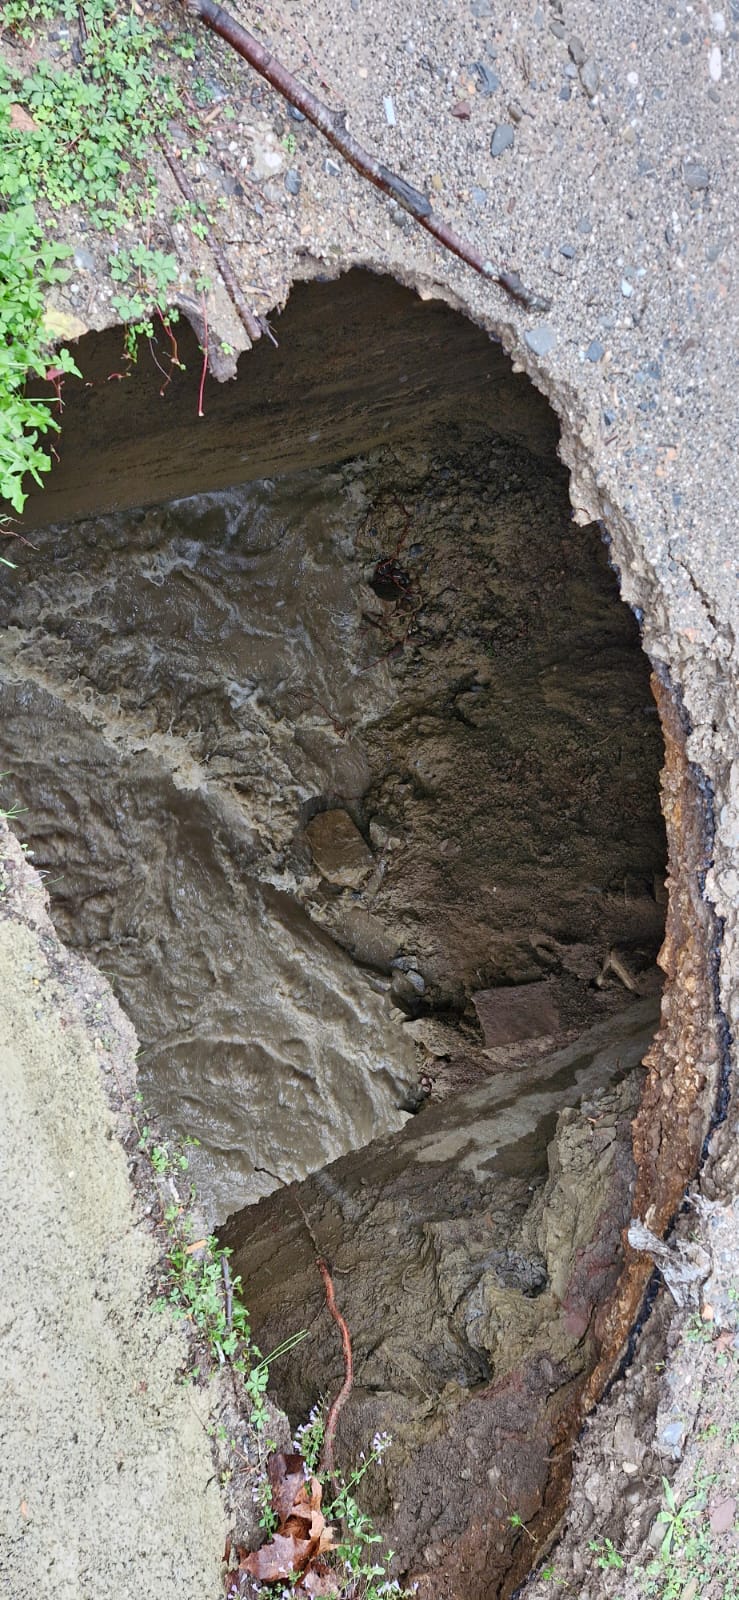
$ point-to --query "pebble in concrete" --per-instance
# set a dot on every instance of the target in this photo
(489, 80)
(695, 175)
(541, 340)
(595, 350)
(590, 77)
(502, 139)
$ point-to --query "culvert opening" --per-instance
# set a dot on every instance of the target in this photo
(348, 778)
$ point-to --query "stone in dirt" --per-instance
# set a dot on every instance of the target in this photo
(523, 1011)
(338, 849)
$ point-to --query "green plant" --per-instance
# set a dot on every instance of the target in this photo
(263, 1502)
(356, 1550)
(697, 1331)
(675, 1518)
(516, 1521)
(77, 135)
(309, 1438)
(607, 1556)
(29, 265)
(198, 1286)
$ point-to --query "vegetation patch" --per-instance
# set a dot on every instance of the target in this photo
(77, 134)
(318, 1540)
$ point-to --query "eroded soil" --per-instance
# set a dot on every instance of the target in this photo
(420, 641)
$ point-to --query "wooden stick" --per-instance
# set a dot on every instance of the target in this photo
(332, 125)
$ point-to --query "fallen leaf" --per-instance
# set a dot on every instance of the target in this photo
(22, 119)
(319, 1581)
(721, 1516)
(279, 1558)
(286, 1474)
(724, 1342)
(327, 1540)
(707, 1312)
(61, 324)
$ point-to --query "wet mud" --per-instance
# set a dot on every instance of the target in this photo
(417, 648)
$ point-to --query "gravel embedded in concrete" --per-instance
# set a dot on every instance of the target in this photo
(502, 139)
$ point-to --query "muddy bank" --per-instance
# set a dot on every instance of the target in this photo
(107, 1478)
(470, 1269)
(190, 693)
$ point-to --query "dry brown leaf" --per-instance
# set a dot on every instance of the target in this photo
(286, 1474)
(319, 1581)
(276, 1560)
(22, 119)
(302, 1533)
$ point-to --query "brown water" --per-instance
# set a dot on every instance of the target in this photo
(183, 688)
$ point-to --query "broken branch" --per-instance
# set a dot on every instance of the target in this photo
(332, 125)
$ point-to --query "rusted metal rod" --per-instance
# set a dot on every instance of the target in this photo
(332, 125)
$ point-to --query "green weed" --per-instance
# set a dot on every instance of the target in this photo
(607, 1556)
(199, 1289)
(29, 264)
(76, 136)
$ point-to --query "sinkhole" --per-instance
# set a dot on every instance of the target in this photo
(337, 748)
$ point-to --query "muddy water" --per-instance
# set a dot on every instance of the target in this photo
(184, 689)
